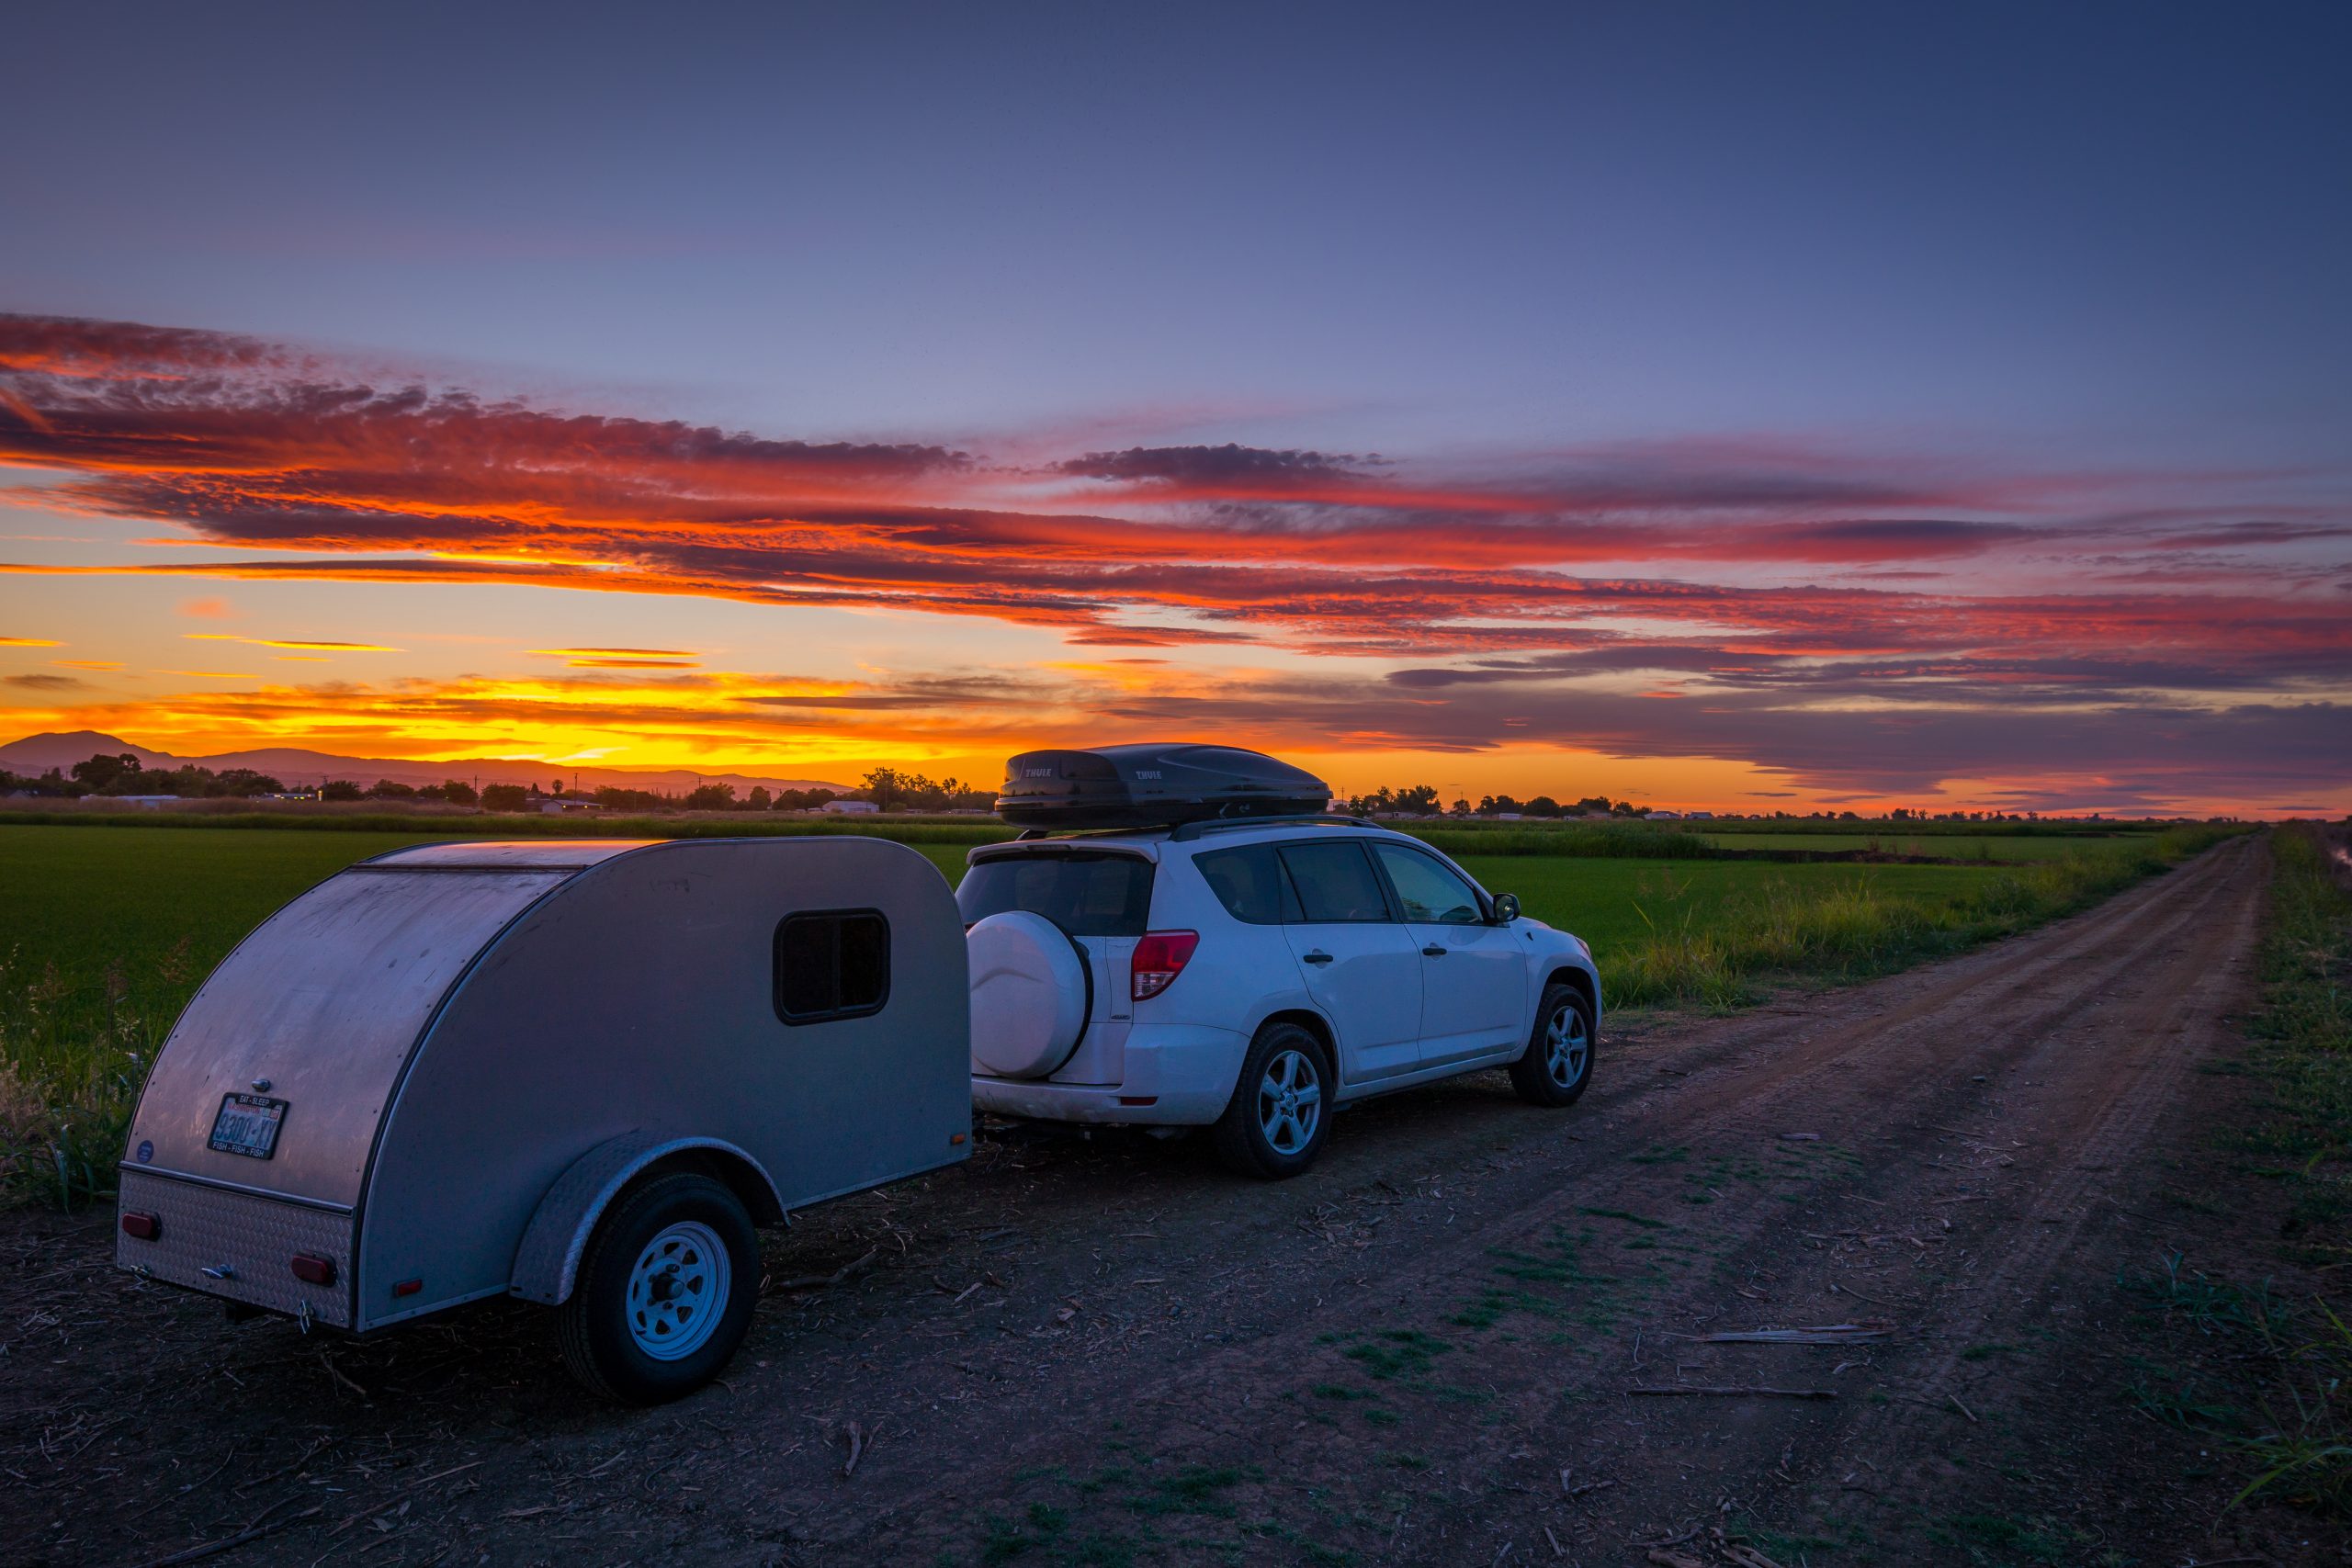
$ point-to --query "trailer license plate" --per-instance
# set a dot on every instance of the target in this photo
(248, 1125)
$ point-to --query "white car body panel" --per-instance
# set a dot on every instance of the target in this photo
(1396, 1016)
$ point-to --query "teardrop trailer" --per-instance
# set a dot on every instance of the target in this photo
(580, 1073)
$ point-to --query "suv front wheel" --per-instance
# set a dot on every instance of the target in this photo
(1558, 1060)
(1281, 1108)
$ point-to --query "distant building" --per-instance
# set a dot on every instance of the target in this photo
(1700, 816)
(147, 802)
(1666, 816)
(849, 808)
(557, 806)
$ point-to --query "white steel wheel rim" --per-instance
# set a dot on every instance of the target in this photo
(1290, 1102)
(677, 1290)
(1566, 1046)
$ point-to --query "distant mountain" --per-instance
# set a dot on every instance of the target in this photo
(38, 753)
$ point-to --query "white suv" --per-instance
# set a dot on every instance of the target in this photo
(1253, 975)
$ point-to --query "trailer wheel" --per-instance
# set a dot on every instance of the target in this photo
(664, 1293)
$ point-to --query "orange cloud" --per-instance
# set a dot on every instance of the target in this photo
(293, 642)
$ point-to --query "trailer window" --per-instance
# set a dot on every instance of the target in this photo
(832, 964)
(1087, 893)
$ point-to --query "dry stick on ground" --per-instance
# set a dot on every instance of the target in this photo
(1831, 1334)
(1850, 1290)
(1733, 1393)
(396, 1498)
(313, 1452)
(839, 1276)
(230, 1543)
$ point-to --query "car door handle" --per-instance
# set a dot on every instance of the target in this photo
(1434, 950)
(1316, 957)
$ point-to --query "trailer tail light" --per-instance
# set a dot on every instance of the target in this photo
(145, 1227)
(408, 1287)
(314, 1270)
(1160, 956)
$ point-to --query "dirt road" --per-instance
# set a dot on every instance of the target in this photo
(1428, 1350)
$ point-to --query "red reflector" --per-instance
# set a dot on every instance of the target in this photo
(408, 1287)
(146, 1227)
(1138, 1099)
(1160, 956)
(314, 1270)
(954, 1138)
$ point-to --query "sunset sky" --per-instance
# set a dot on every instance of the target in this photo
(1744, 407)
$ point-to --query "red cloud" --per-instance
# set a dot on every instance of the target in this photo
(248, 445)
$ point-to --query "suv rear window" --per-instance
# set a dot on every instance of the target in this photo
(1085, 893)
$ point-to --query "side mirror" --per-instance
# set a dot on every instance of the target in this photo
(1506, 909)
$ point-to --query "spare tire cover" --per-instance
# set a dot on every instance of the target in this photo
(1029, 995)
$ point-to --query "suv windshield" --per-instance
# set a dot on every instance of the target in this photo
(1087, 893)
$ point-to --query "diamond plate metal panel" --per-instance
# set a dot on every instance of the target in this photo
(253, 1238)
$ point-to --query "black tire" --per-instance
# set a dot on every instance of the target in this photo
(594, 1324)
(1543, 1077)
(1242, 1140)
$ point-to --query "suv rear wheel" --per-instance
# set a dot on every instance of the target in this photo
(1282, 1107)
(1558, 1060)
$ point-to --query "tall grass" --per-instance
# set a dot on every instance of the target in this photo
(2302, 1450)
(73, 1057)
(1854, 929)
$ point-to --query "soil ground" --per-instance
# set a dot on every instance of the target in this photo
(1428, 1350)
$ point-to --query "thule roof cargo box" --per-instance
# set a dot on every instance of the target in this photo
(1153, 785)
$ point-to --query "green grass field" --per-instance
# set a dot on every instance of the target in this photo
(110, 933)
(1615, 904)
(2001, 847)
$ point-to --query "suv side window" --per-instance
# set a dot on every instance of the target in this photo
(1430, 892)
(1249, 882)
(1335, 883)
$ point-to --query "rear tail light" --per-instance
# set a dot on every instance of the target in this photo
(1160, 956)
(146, 1227)
(314, 1270)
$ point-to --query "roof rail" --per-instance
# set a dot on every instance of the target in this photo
(1184, 830)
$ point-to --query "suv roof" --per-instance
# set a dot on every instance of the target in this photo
(1186, 832)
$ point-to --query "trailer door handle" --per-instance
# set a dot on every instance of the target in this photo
(1433, 951)
(1318, 956)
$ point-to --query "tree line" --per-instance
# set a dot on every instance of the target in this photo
(1423, 800)
(119, 774)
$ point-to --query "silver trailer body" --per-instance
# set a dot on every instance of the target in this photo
(457, 1055)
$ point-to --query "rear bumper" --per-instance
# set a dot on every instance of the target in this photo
(249, 1239)
(1171, 1075)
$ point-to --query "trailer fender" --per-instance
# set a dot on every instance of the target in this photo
(548, 1261)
